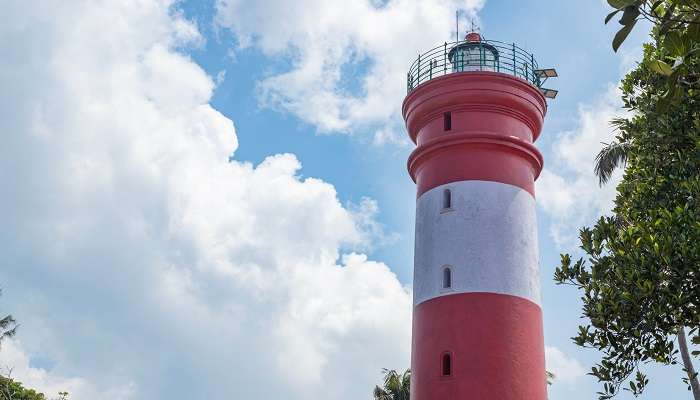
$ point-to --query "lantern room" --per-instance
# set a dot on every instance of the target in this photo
(473, 54)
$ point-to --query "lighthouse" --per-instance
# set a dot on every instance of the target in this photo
(474, 109)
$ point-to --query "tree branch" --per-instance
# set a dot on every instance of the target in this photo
(688, 364)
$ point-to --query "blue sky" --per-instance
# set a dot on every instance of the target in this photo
(138, 257)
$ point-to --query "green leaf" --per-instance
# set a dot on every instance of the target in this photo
(622, 35)
(611, 15)
(693, 32)
(630, 15)
(659, 8)
(661, 67)
(675, 43)
(620, 4)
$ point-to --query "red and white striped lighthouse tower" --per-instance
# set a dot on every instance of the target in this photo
(474, 109)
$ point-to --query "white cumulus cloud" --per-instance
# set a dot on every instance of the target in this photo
(143, 264)
(565, 368)
(341, 65)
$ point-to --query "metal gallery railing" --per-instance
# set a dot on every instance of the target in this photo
(483, 55)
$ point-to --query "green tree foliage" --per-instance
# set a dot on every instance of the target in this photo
(10, 389)
(396, 386)
(676, 24)
(13, 390)
(640, 278)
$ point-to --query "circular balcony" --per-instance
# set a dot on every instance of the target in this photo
(474, 54)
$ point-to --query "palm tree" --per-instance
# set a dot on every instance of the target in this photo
(8, 327)
(396, 386)
(611, 156)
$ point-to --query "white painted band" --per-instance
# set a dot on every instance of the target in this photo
(488, 238)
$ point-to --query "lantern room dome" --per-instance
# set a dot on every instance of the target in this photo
(473, 37)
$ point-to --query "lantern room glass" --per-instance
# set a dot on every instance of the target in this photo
(473, 56)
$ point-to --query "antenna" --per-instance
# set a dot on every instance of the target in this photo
(457, 20)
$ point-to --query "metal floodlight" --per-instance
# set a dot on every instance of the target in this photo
(549, 93)
(546, 73)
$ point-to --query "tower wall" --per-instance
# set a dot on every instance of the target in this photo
(488, 320)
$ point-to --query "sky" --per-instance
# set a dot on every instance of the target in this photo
(209, 199)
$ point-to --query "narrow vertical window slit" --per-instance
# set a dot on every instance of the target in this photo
(447, 199)
(446, 278)
(446, 364)
(447, 119)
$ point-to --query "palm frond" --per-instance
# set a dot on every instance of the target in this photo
(380, 394)
(396, 386)
(550, 377)
(611, 156)
(6, 322)
(8, 326)
(8, 333)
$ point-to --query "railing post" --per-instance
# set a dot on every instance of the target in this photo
(527, 73)
(514, 71)
(444, 60)
(418, 83)
(532, 64)
(481, 56)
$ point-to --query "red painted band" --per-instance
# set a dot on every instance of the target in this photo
(475, 156)
(486, 118)
(495, 100)
(496, 345)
